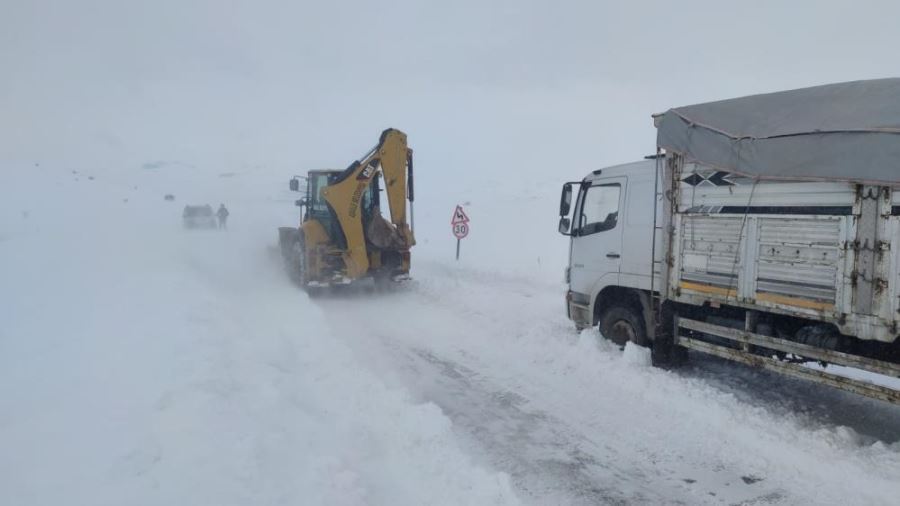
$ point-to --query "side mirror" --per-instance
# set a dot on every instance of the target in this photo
(300, 202)
(564, 225)
(294, 185)
(565, 200)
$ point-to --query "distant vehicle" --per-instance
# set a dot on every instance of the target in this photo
(199, 217)
(169, 197)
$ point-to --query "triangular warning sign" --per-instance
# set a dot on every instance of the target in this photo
(459, 216)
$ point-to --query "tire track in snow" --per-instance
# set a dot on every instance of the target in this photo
(546, 458)
(549, 460)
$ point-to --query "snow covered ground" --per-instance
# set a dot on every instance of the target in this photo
(144, 364)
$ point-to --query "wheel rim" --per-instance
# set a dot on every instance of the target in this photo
(622, 331)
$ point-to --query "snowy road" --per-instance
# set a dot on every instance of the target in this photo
(574, 421)
(140, 364)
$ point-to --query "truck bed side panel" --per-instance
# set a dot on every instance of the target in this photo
(791, 248)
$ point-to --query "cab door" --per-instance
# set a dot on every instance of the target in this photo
(596, 248)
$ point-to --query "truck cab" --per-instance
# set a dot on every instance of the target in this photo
(608, 217)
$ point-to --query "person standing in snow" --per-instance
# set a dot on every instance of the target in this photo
(222, 214)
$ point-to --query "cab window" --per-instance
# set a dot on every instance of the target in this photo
(317, 201)
(599, 209)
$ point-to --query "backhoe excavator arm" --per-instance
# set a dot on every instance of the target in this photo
(392, 157)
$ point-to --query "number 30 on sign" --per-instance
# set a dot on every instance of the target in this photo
(460, 230)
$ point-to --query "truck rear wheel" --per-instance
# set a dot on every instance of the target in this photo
(621, 324)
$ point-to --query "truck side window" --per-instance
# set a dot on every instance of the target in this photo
(599, 209)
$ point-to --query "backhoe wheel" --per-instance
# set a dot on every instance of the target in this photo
(297, 262)
(298, 271)
(621, 324)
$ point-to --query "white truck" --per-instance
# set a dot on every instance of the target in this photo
(766, 230)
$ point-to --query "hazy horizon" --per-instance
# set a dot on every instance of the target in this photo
(505, 84)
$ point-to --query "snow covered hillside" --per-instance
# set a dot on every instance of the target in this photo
(141, 363)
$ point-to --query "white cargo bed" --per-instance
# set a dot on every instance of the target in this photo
(821, 250)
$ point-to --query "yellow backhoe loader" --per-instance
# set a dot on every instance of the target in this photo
(343, 237)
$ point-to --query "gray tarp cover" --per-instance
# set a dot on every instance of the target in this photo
(845, 131)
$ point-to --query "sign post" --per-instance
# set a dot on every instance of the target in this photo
(460, 224)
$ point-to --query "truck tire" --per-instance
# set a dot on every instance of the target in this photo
(621, 324)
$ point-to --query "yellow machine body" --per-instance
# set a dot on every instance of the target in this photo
(343, 237)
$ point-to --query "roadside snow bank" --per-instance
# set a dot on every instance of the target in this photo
(144, 364)
(712, 438)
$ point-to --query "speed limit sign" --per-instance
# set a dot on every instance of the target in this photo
(461, 230)
(460, 224)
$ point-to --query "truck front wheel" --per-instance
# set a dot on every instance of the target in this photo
(621, 324)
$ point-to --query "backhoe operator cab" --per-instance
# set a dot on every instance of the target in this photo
(316, 208)
(609, 219)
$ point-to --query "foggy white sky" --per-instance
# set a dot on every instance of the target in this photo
(481, 87)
